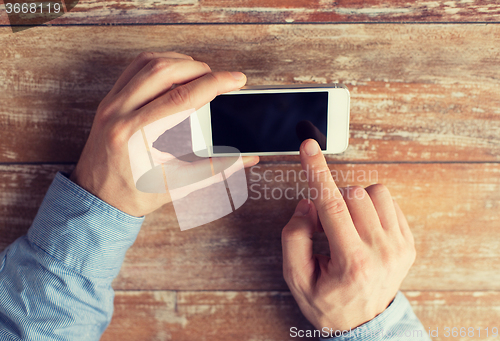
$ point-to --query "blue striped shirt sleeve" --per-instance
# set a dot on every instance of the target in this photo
(55, 282)
(396, 322)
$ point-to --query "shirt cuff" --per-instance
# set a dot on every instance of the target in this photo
(396, 322)
(82, 231)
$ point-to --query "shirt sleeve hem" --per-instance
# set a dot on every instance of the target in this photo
(379, 324)
(82, 231)
(62, 179)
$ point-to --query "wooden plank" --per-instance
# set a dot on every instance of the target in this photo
(167, 315)
(409, 103)
(476, 309)
(452, 210)
(186, 315)
(276, 11)
(22, 189)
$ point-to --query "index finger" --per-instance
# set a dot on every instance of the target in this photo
(332, 209)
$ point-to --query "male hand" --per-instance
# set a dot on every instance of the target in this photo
(371, 249)
(143, 94)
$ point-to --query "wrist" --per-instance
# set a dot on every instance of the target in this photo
(397, 322)
(119, 199)
(352, 321)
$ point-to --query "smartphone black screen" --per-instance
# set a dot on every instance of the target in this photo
(273, 122)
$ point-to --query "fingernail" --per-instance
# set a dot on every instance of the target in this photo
(302, 208)
(237, 75)
(251, 161)
(311, 148)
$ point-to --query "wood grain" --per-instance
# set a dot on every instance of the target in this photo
(452, 210)
(275, 11)
(425, 120)
(22, 189)
(167, 315)
(408, 103)
(250, 315)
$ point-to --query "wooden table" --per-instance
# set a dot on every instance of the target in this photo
(424, 79)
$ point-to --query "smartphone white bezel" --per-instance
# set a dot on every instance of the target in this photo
(337, 121)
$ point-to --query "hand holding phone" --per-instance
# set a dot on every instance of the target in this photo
(143, 94)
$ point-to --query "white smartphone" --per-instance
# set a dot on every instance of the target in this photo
(273, 120)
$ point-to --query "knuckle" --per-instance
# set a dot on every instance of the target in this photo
(212, 79)
(181, 96)
(145, 56)
(354, 192)
(118, 134)
(377, 189)
(206, 66)
(159, 65)
(289, 232)
(400, 254)
(360, 267)
(176, 54)
(391, 260)
(107, 109)
(333, 205)
(321, 174)
(285, 233)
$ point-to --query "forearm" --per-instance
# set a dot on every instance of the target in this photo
(55, 283)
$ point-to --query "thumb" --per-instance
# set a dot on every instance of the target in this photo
(297, 244)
